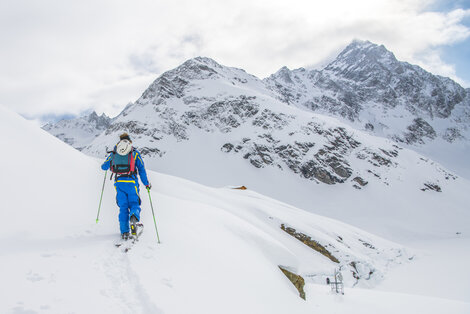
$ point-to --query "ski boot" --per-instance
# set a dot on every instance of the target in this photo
(125, 236)
(134, 225)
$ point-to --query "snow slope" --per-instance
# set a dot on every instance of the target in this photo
(220, 247)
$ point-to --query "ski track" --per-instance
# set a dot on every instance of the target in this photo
(126, 285)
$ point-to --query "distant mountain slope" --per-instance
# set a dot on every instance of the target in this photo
(365, 76)
(80, 131)
(368, 88)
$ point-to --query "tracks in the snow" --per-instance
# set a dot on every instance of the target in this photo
(125, 285)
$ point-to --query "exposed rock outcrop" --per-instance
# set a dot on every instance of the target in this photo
(305, 239)
(296, 280)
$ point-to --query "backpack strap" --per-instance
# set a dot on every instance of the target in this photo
(132, 162)
(112, 162)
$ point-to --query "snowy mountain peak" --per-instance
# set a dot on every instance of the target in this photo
(197, 68)
(80, 131)
(204, 60)
(365, 47)
(362, 58)
(368, 88)
(100, 121)
(173, 83)
(176, 82)
(206, 68)
(283, 74)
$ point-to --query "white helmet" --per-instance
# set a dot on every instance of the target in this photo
(123, 147)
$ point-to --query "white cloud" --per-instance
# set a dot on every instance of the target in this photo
(64, 57)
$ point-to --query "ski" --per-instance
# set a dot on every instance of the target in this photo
(126, 245)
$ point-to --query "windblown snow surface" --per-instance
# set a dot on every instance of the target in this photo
(220, 248)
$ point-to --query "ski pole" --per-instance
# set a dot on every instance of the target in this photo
(153, 213)
(102, 189)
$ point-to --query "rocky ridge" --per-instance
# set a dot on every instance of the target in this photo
(368, 88)
(80, 131)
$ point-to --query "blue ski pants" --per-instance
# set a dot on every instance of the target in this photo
(128, 200)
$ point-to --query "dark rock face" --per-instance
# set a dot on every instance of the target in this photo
(419, 130)
(305, 239)
(151, 151)
(453, 134)
(311, 170)
(223, 115)
(431, 187)
(165, 87)
(259, 156)
(131, 127)
(227, 148)
(360, 181)
(269, 120)
(327, 165)
(227, 115)
(369, 127)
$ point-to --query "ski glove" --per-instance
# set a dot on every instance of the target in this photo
(149, 186)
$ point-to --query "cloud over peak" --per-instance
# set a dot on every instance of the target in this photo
(67, 57)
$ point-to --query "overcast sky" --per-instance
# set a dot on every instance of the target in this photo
(61, 57)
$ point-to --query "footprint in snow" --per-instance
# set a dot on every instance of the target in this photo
(34, 277)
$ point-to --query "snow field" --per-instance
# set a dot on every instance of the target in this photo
(220, 247)
(366, 301)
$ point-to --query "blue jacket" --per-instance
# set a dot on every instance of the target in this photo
(139, 164)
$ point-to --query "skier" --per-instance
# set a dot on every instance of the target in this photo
(126, 162)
